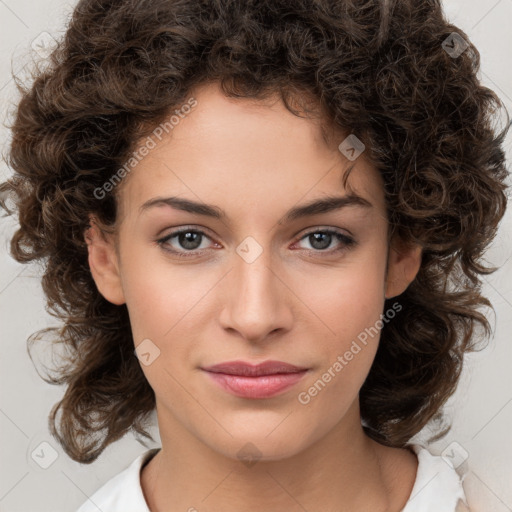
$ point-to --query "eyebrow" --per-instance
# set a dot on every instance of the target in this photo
(316, 207)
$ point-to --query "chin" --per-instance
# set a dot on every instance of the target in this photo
(261, 442)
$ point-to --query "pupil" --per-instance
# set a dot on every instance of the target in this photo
(315, 237)
(187, 240)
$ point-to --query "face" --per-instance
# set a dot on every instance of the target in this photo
(252, 277)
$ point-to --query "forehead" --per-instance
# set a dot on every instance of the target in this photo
(231, 151)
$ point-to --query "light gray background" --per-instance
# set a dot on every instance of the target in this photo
(481, 410)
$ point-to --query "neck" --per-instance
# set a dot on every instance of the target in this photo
(342, 471)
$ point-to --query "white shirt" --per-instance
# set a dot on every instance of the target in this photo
(437, 488)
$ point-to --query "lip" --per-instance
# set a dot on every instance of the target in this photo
(263, 380)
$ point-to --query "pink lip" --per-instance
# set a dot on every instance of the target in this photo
(264, 380)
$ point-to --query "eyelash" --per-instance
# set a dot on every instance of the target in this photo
(347, 242)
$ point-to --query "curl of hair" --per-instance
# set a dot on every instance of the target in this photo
(375, 69)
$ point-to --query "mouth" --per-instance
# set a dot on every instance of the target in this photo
(263, 380)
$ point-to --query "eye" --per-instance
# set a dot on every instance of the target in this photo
(321, 239)
(187, 240)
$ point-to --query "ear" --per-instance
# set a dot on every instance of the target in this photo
(404, 262)
(103, 262)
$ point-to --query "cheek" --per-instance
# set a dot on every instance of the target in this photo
(349, 303)
(163, 305)
(159, 295)
(352, 310)
(346, 300)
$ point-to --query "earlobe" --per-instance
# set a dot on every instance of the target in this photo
(103, 263)
(404, 262)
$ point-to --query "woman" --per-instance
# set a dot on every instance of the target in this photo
(266, 221)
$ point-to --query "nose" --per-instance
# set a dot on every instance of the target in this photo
(257, 299)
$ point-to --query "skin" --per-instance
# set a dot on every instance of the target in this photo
(294, 303)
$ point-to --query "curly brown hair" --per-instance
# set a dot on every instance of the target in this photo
(380, 69)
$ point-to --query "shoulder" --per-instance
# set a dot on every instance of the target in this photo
(437, 486)
(123, 492)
